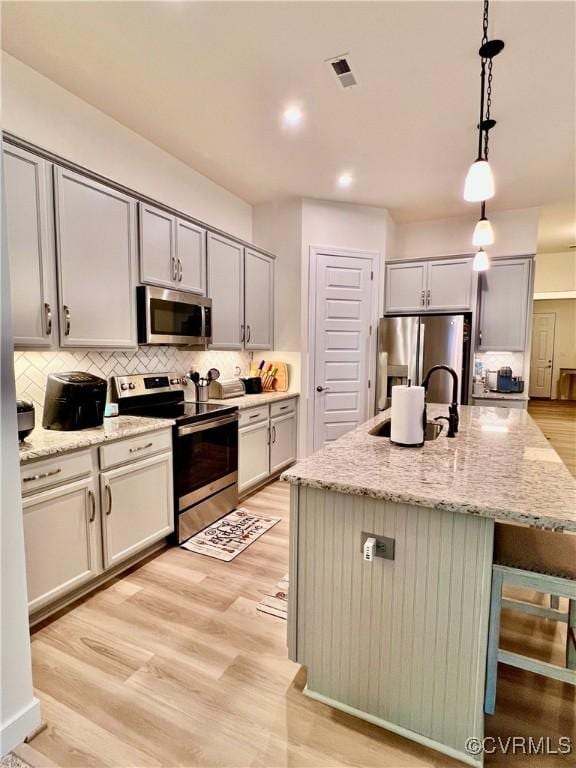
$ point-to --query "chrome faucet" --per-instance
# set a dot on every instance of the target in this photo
(453, 418)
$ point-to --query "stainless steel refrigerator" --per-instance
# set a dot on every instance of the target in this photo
(409, 345)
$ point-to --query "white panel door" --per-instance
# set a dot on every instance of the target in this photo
(190, 257)
(342, 345)
(137, 506)
(542, 356)
(253, 454)
(226, 289)
(449, 285)
(96, 241)
(282, 441)
(157, 247)
(60, 540)
(504, 301)
(259, 300)
(405, 287)
(29, 240)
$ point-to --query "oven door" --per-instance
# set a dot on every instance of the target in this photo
(173, 317)
(206, 459)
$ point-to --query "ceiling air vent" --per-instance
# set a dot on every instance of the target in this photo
(341, 67)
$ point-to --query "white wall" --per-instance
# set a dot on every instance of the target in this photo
(564, 339)
(516, 234)
(291, 228)
(40, 111)
(555, 272)
(19, 710)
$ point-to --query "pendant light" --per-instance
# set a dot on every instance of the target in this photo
(483, 232)
(479, 185)
(481, 261)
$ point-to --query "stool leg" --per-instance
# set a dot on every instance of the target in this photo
(571, 639)
(493, 638)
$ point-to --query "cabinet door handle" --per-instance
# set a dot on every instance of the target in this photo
(284, 407)
(66, 320)
(480, 336)
(174, 273)
(242, 334)
(268, 436)
(109, 494)
(423, 298)
(93, 506)
(42, 475)
(273, 434)
(428, 297)
(254, 416)
(141, 447)
(179, 270)
(249, 333)
(48, 316)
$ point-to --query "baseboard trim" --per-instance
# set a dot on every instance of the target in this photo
(398, 729)
(16, 730)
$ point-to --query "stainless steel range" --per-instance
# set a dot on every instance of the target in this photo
(205, 446)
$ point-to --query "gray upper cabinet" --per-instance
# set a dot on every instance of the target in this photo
(450, 285)
(226, 289)
(30, 243)
(172, 251)
(96, 248)
(405, 287)
(190, 257)
(157, 247)
(259, 300)
(445, 285)
(504, 304)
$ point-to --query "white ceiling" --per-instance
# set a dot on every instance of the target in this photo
(207, 81)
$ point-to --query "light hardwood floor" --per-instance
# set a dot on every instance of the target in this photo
(557, 419)
(173, 666)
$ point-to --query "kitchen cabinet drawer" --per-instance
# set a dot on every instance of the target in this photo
(282, 441)
(137, 506)
(253, 416)
(282, 408)
(60, 540)
(135, 448)
(43, 474)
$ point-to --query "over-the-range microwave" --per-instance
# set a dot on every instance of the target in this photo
(173, 317)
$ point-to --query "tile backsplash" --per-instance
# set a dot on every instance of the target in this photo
(32, 368)
(492, 361)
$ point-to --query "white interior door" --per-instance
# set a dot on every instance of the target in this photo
(343, 293)
(542, 356)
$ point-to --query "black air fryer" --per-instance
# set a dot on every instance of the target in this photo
(74, 400)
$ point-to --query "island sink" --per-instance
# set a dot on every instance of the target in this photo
(433, 430)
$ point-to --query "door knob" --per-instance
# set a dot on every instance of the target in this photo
(319, 388)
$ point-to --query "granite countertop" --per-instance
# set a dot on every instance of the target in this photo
(252, 401)
(48, 442)
(501, 396)
(500, 465)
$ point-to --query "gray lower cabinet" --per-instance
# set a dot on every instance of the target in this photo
(137, 506)
(504, 298)
(172, 251)
(96, 249)
(61, 541)
(30, 243)
(267, 440)
(80, 522)
(258, 300)
(226, 289)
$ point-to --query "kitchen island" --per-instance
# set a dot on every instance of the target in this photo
(401, 642)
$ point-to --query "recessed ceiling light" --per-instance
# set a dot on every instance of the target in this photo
(345, 180)
(292, 116)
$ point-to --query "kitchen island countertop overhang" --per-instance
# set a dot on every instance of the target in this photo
(500, 465)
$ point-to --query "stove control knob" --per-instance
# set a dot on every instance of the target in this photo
(174, 381)
(123, 386)
(131, 385)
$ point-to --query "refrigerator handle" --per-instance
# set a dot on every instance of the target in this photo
(421, 330)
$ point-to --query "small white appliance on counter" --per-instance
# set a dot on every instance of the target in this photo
(408, 418)
(222, 389)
